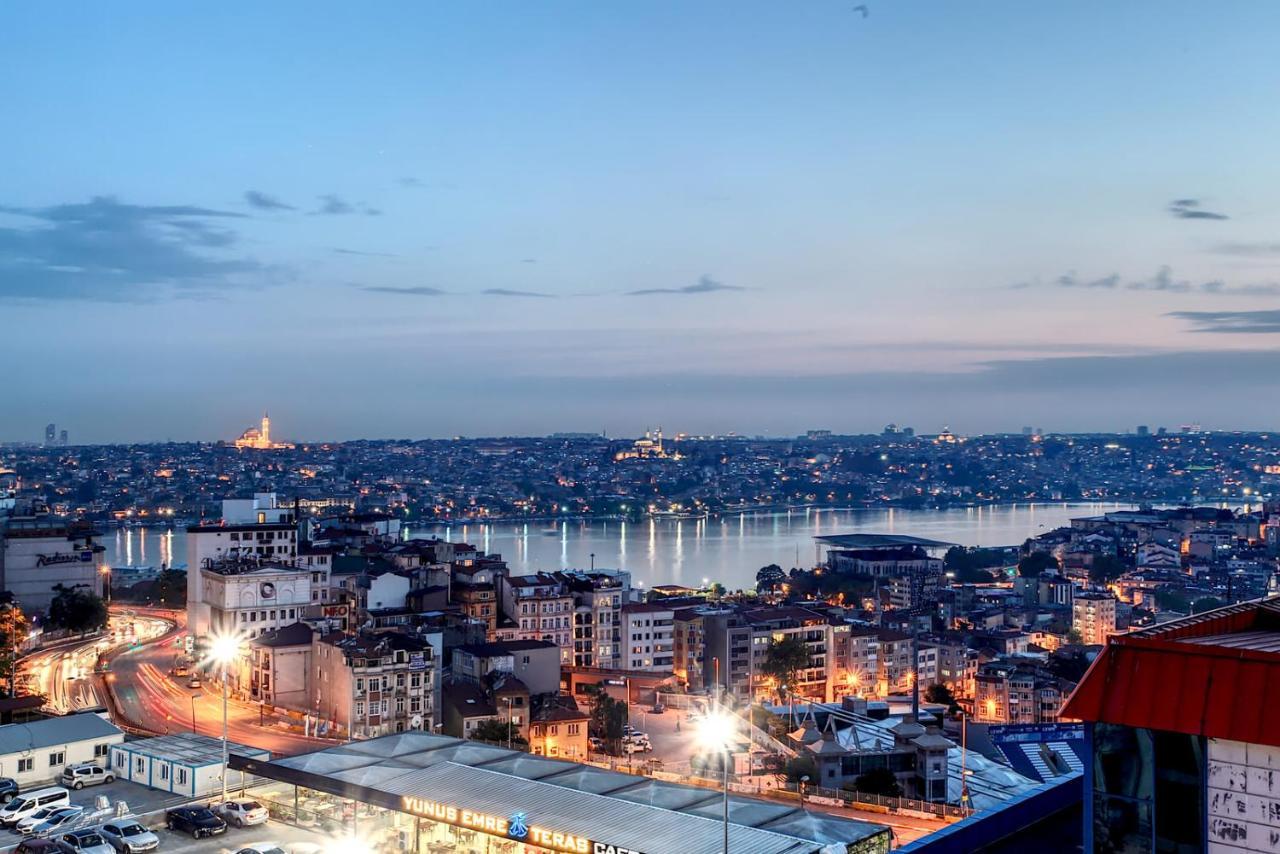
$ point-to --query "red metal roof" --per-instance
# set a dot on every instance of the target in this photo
(1175, 677)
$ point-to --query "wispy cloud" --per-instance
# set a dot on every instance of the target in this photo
(1191, 209)
(507, 292)
(704, 285)
(1266, 320)
(264, 202)
(1163, 281)
(409, 181)
(108, 250)
(334, 205)
(1249, 250)
(339, 250)
(411, 292)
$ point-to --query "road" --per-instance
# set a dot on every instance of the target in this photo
(149, 697)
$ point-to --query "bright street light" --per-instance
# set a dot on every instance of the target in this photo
(718, 731)
(223, 649)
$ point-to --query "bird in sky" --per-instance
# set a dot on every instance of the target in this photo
(863, 9)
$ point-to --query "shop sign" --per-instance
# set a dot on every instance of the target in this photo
(417, 661)
(517, 826)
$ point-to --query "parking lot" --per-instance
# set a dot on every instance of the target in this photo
(148, 806)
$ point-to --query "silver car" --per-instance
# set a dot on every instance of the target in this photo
(84, 842)
(127, 836)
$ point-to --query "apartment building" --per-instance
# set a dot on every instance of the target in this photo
(371, 685)
(1093, 615)
(648, 636)
(1015, 692)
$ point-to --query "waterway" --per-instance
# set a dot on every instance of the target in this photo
(728, 549)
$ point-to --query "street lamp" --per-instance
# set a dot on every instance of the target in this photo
(223, 650)
(716, 731)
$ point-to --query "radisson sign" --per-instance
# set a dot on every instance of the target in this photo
(517, 826)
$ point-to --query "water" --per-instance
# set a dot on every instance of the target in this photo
(727, 549)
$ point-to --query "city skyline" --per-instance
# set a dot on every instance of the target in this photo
(744, 216)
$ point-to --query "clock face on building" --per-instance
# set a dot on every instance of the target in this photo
(267, 590)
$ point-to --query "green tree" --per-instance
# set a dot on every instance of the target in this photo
(1034, 564)
(784, 659)
(878, 781)
(1205, 603)
(1074, 636)
(1106, 568)
(716, 590)
(13, 630)
(770, 577)
(495, 731)
(1172, 600)
(76, 609)
(608, 717)
(800, 766)
(941, 694)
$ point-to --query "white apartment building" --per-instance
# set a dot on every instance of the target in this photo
(1093, 615)
(541, 608)
(257, 528)
(648, 637)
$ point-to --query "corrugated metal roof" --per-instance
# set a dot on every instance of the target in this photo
(1215, 674)
(619, 809)
(17, 738)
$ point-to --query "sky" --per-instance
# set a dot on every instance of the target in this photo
(511, 218)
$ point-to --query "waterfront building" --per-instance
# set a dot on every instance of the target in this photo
(648, 636)
(39, 550)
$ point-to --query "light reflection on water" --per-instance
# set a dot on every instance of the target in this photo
(728, 549)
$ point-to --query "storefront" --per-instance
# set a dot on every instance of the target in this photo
(431, 794)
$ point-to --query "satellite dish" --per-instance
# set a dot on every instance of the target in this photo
(416, 723)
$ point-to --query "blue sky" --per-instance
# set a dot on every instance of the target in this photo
(504, 218)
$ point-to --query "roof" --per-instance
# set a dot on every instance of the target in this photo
(189, 749)
(17, 738)
(878, 541)
(1215, 674)
(297, 634)
(488, 650)
(609, 807)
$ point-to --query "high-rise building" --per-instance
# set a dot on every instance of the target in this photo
(62, 438)
(1093, 615)
(50, 433)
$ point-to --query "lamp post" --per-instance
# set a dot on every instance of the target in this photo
(716, 732)
(223, 650)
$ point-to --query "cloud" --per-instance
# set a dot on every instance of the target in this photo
(1248, 250)
(704, 285)
(1190, 209)
(409, 182)
(263, 202)
(108, 250)
(342, 251)
(412, 292)
(334, 205)
(1263, 321)
(507, 292)
(1163, 281)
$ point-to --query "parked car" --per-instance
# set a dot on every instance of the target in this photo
(242, 813)
(60, 817)
(129, 837)
(657, 709)
(263, 848)
(198, 821)
(85, 774)
(28, 802)
(8, 789)
(37, 846)
(84, 842)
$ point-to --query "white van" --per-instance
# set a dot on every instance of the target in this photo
(26, 803)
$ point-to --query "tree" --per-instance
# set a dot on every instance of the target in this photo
(878, 781)
(716, 590)
(1074, 636)
(1036, 563)
(13, 630)
(496, 731)
(770, 577)
(800, 766)
(1205, 603)
(941, 694)
(76, 609)
(784, 659)
(608, 717)
(1106, 568)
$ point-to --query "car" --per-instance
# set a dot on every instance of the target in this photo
(85, 774)
(635, 747)
(128, 836)
(37, 846)
(60, 817)
(85, 841)
(657, 709)
(194, 683)
(198, 821)
(263, 848)
(29, 821)
(242, 813)
(8, 788)
(29, 802)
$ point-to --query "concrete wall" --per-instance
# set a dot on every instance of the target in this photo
(1243, 797)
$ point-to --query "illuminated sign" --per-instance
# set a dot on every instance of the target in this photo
(53, 560)
(518, 827)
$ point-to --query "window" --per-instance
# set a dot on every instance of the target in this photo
(359, 709)
(26, 764)
(139, 765)
(164, 772)
(575, 729)
(100, 750)
(182, 776)
(57, 758)
(119, 760)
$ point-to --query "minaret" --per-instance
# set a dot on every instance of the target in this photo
(266, 430)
